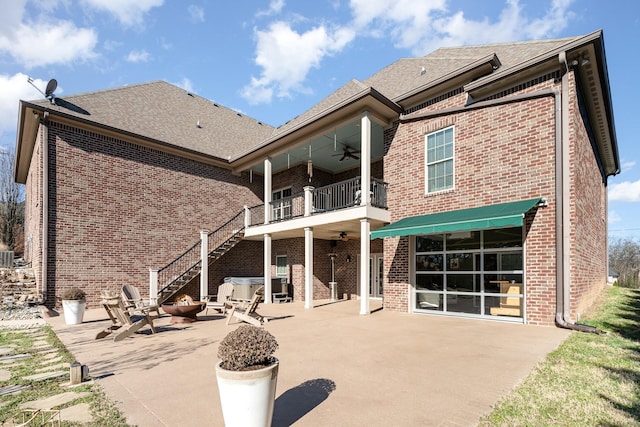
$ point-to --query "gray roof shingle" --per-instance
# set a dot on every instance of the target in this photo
(161, 111)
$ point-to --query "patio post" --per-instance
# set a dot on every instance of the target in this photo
(365, 158)
(267, 190)
(308, 200)
(153, 285)
(204, 264)
(267, 269)
(365, 254)
(308, 267)
(247, 217)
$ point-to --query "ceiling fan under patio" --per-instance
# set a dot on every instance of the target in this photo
(348, 153)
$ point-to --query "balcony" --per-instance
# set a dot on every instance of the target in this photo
(320, 203)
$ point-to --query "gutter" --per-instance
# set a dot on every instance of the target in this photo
(45, 204)
(563, 218)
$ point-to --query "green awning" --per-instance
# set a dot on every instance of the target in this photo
(494, 216)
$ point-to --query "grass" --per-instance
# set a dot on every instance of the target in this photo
(103, 411)
(590, 380)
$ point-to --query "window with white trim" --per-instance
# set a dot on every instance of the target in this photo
(281, 265)
(439, 167)
(281, 204)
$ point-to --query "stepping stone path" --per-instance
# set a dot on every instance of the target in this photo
(51, 367)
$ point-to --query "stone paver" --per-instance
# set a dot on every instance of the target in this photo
(7, 349)
(5, 374)
(80, 413)
(54, 367)
(51, 402)
(12, 358)
(12, 389)
(51, 360)
(46, 375)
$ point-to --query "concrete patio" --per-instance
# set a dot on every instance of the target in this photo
(336, 366)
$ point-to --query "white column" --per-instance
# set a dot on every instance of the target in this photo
(267, 269)
(247, 217)
(204, 264)
(308, 200)
(153, 286)
(308, 267)
(365, 158)
(365, 254)
(267, 190)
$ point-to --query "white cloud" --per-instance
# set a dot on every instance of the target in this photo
(196, 13)
(129, 12)
(275, 6)
(286, 57)
(423, 26)
(613, 217)
(185, 84)
(625, 191)
(626, 165)
(34, 43)
(13, 89)
(138, 56)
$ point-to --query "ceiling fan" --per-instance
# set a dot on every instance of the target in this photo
(348, 153)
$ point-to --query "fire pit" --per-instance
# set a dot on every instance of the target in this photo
(184, 310)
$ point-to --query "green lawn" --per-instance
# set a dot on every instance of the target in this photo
(104, 412)
(590, 380)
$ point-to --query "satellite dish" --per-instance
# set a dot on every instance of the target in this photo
(51, 87)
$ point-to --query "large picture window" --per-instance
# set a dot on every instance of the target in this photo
(471, 273)
(439, 168)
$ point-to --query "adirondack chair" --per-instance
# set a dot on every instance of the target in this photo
(248, 313)
(220, 302)
(123, 323)
(134, 303)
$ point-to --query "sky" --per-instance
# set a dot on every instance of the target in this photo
(272, 60)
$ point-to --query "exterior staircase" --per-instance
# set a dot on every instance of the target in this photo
(182, 271)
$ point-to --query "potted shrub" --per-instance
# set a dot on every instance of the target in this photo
(247, 374)
(73, 304)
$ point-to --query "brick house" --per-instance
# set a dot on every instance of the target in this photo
(485, 170)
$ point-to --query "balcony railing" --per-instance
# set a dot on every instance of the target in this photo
(340, 195)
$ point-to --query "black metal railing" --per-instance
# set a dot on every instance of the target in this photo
(256, 214)
(339, 195)
(191, 259)
(287, 208)
(225, 232)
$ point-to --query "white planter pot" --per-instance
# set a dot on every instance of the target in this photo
(73, 311)
(247, 397)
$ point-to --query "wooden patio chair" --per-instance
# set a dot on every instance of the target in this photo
(248, 314)
(123, 324)
(134, 303)
(220, 302)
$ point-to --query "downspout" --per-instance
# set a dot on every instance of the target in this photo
(45, 204)
(563, 214)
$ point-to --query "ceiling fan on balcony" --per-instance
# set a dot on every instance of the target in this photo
(348, 153)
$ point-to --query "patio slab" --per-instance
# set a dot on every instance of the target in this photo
(336, 366)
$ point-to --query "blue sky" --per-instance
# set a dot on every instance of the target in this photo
(272, 60)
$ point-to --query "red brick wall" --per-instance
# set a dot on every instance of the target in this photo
(33, 211)
(588, 216)
(142, 210)
(503, 153)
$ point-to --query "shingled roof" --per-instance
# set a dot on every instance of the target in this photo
(406, 75)
(169, 114)
(162, 112)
